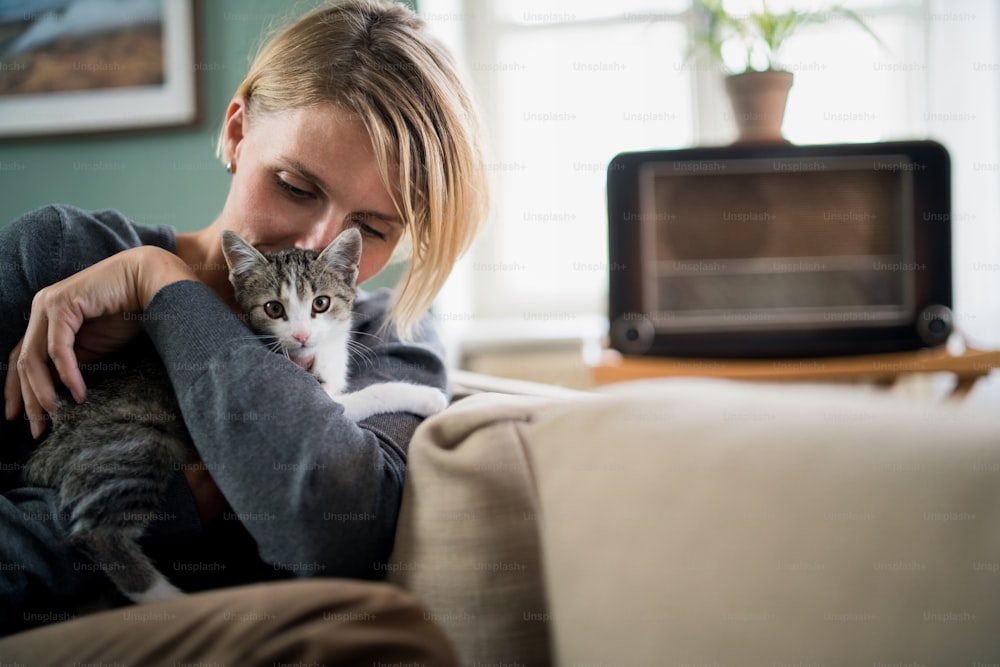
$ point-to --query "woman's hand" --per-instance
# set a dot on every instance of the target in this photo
(80, 319)
(207, 496)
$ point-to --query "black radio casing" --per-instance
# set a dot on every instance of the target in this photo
(780, 250)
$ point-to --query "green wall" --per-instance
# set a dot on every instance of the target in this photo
(168, 175)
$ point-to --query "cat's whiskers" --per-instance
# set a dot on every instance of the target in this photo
(256, 337)
(271, 342)
(351, 340)
(364, 352)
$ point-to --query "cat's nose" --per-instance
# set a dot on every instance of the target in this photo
(301, 336)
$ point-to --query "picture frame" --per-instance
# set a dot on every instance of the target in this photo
(84, 66)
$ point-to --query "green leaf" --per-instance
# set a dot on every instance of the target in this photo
(764, 28)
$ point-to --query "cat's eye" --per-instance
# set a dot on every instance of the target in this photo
(321, 304)
(274, 309)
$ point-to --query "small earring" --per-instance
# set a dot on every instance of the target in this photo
(229, 167)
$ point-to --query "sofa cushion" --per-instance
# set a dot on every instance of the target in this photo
(714, 522)
(467, 541)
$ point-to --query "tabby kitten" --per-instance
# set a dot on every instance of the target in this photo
(112, 457)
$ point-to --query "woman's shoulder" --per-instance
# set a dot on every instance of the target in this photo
(371, 310)
(55, 241)
(104, 228)
(371, 305)
(67, 238)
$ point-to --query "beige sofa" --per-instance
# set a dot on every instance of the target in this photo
(705, 522)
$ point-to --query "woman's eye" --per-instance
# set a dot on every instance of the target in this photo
(274, 309)
(368, 230)
(321, 304)
(291, 190)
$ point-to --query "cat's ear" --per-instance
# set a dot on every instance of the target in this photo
(343, 255)
(240, 255)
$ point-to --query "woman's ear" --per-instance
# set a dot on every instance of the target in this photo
(236, 128)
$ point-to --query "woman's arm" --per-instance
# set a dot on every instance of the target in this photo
(318, 493)
(82, 318)
(36, 250)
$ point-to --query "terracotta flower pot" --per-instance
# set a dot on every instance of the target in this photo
(758, 100)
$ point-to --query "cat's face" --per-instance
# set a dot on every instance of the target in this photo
(300, 299)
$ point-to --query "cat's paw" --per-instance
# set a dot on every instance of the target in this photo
(161, 590)
(420, 400)
(428, 401)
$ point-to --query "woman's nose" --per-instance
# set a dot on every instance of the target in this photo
(320, 235)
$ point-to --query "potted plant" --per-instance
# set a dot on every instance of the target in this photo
(758, 88)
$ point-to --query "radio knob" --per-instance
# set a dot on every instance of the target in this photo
(935, 324)
(633, 333)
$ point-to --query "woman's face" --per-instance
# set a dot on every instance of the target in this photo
(300, 177)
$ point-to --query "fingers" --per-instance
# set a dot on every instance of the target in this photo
(12, 386)
(37, 415)
(82, 315)
(51, 330)
(49, 336)
(61, 338)
(21, 392)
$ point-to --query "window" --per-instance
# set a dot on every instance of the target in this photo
(564, 86)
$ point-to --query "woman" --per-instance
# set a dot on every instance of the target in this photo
(350, 116)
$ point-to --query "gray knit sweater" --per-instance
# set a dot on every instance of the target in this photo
(312, 493)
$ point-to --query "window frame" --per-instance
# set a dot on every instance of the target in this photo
(472, 33)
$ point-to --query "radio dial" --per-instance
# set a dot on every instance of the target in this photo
(935, 324)
(633, 333)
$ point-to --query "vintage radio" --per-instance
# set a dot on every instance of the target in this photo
(780, 250)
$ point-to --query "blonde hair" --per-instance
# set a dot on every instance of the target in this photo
(378, 63)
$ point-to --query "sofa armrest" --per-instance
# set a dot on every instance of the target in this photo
(705, 522)
(466, 383)
(717, 522)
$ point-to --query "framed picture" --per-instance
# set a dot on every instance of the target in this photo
(72, 66)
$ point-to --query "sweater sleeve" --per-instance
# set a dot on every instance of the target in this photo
(46, 574)
(318, 493)
(51, 243)
(38, 249)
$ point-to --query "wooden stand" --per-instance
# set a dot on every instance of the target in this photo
(879, 368)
